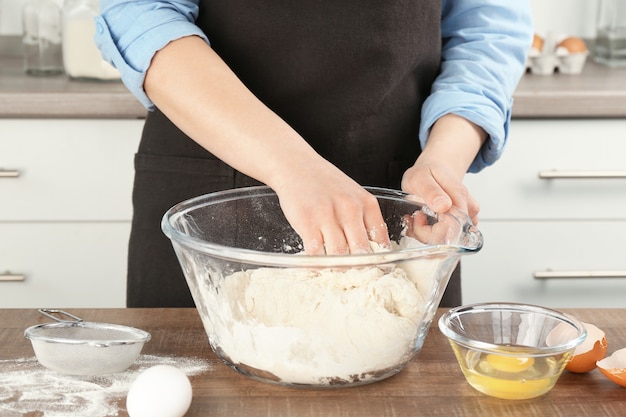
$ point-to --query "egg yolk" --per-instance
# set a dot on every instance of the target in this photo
(508, 389)
(510, 364)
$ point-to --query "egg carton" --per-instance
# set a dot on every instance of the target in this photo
(552, 58)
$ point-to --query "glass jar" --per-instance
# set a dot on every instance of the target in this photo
(610, 48)
(43, 51)
(81, 56)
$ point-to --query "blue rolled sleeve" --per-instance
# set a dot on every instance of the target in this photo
(130, 32)
(485, 44)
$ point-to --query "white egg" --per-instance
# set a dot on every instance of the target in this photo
(160, 391)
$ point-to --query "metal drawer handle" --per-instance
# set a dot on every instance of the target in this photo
(558, 174)
(549, 274)
(9, 173)
(8, 276)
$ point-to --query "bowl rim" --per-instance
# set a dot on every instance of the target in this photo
(447, 330)
(302, 260)
(132, 335)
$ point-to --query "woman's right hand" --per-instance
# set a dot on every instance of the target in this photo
(197, 91)
(332, 213)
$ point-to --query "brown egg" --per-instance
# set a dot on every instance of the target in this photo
(537, 42)
(573, 45)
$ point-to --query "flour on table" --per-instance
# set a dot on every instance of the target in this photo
(27, 388)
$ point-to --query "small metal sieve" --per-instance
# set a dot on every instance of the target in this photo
(76, 347)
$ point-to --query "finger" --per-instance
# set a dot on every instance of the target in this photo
(435, 196)
(329, 240)
(313, 243)
(375, 225)
(355, 215)
(360, 237)
(357, 237)
(335, 242)
(351, 218)
(421, 227)
(377, 232)
(473, 207)
(417, 226)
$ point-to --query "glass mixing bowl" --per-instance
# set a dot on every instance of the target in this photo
(277, 315)
(511, 351)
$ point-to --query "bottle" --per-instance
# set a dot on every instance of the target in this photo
(41, 23)
(81, 57)
(610, 47)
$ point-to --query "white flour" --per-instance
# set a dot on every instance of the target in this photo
(27, 388)
(319, 326)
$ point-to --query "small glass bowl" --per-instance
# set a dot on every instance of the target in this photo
(511, 351)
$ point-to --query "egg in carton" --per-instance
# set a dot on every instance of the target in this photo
(567, 54)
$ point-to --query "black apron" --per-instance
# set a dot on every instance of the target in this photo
(350, 77)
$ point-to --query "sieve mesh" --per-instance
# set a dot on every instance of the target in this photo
(86, 348)
(86, 359)
(87, 333)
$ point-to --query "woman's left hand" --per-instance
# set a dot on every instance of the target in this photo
(437, 175)
(440, 188)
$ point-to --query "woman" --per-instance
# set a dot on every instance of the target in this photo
(314, 99)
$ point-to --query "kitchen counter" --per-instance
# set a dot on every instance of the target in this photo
(56, 96)
(598, 92)
(431, 385)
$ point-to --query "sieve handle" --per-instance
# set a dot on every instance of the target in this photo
(53, 314)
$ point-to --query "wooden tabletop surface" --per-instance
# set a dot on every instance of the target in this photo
(431, 385)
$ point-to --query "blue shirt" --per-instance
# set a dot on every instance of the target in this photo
(485, 43)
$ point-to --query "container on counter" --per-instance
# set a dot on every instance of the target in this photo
(81, 57)
(557, 53)
(43, 51)
(610, 48)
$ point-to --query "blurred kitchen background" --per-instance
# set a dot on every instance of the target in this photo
(553, 209)
(573, 17)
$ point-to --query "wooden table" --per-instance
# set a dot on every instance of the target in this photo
(431, 385)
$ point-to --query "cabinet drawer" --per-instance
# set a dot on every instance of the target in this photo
(67, 169)
(512, 188)
(515, 250)
(77, 265)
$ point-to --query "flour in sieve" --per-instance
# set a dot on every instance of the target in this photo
(27, 388)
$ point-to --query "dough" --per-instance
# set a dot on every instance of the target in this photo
(311, 326)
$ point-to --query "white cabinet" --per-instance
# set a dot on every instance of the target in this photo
(65, 211)
(557, 242)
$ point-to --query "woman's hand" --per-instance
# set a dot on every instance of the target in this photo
(440, 188)
(332, 213)
(437, 175)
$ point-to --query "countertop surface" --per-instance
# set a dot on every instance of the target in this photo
(599, 91)
(56, 96)
(431, 385)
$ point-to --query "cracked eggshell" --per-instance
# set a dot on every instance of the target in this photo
(614, 367)
(591, 350)
(586, 354)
